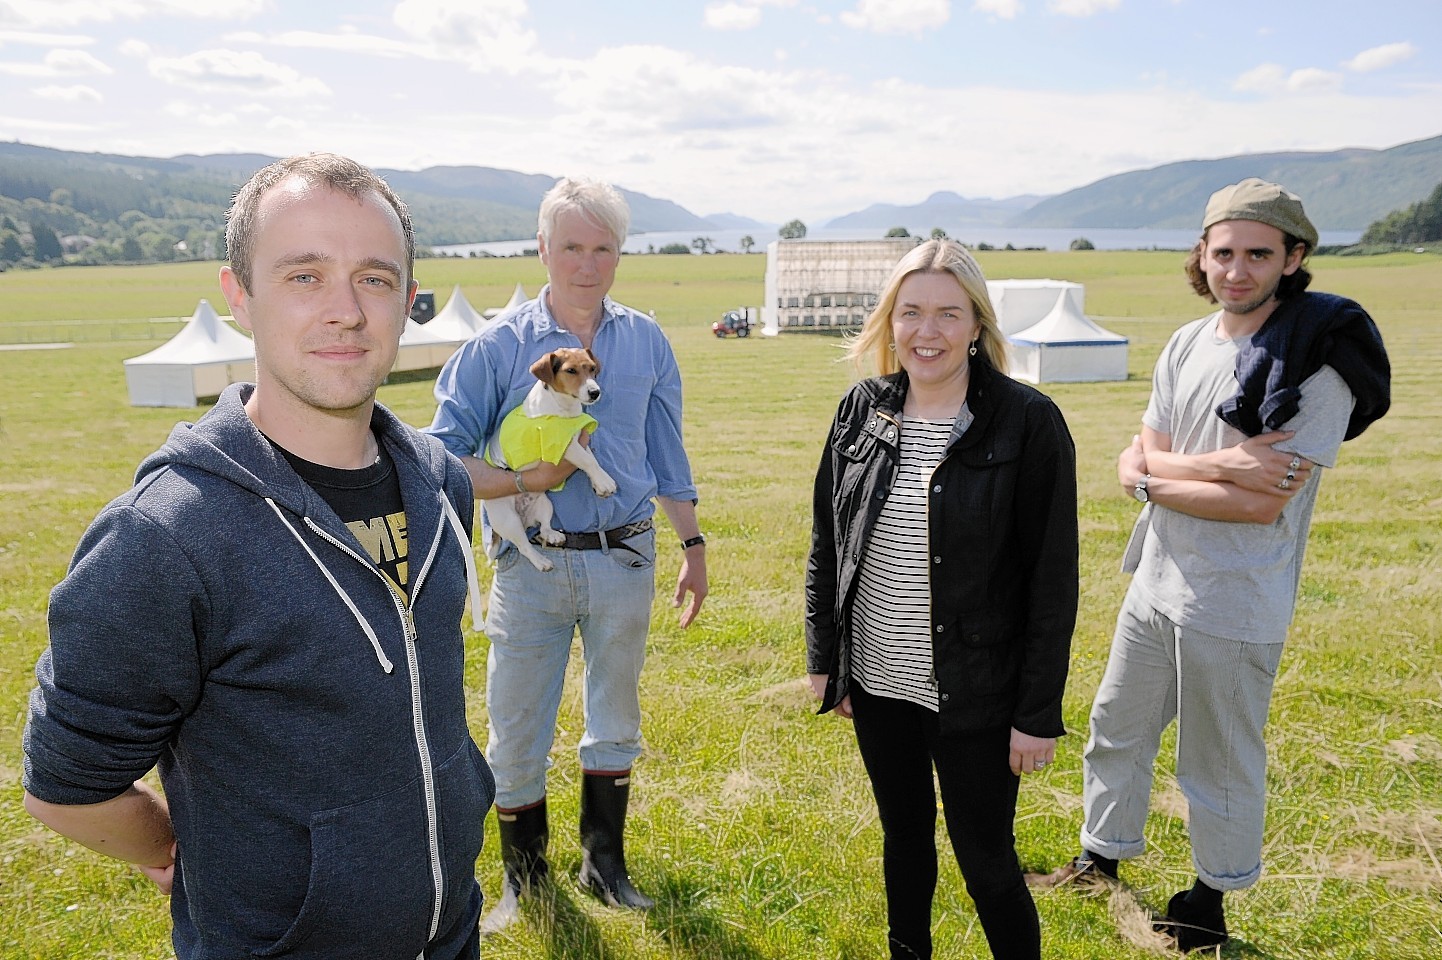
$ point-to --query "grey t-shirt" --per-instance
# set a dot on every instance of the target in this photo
(1230, 579)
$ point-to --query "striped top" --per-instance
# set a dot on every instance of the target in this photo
(891, 647)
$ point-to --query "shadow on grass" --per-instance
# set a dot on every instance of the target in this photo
(567, 931)
(691, 928)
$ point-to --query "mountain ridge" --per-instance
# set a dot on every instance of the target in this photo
(174, 207)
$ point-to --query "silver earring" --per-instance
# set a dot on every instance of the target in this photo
(971, 351)
(891, 346)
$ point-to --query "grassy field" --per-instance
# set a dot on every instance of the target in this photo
(753, 824)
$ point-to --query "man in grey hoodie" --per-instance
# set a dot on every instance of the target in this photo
(271, 616)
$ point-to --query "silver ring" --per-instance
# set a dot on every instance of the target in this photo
(1296, 462)
(1291, 475)
(1285, 484)
(1038, 764)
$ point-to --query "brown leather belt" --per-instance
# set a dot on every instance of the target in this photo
(604, 539)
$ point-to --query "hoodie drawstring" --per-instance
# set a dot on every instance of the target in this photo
(370, 633)
(472, 582)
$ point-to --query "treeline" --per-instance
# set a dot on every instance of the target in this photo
(57, 212)
(96, 210)
(1419, 223)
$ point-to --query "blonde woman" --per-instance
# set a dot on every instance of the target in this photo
(942, 589)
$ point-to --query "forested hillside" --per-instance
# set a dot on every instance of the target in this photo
(99, 208)
(1342, 189)
(1419, 223)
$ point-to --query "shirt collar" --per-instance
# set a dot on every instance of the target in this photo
(545, 322)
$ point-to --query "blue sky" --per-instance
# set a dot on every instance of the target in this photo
(769, 108)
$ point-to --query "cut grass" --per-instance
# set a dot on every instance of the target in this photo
(753, 822)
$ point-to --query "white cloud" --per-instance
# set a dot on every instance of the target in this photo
(134, 48)
(489, 34)
(1266, 78)
(58, 63)
(35, 39)
(1002, 9)
(897, 16)
(1270, 79)
(82, 131)
(1378, 58)
(345, 41)
(1313, 80)
(286, 124)
(74, 93)
(236, 71)
(1081, 8)
(47, 14)
(732, 16)
(205, 114)
(743, 14)
(646, 90)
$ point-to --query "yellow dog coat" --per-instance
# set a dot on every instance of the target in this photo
(525, 440)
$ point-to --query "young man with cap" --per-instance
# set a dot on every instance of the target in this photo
(1248, 405)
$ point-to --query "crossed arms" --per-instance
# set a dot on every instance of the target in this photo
(1241, 483)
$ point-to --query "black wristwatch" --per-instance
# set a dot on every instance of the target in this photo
(695, 541)
(1140, 490)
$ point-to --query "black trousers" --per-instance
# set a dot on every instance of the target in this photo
(900, 744)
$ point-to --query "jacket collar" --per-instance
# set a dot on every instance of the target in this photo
(980, 398)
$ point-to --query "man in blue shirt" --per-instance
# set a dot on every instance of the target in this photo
(603, 581)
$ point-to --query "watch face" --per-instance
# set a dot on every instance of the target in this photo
(1140, 492)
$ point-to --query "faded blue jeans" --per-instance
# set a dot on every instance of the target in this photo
(532, 620)
(1222, 689)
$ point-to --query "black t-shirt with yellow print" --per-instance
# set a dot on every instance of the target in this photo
(368, 501)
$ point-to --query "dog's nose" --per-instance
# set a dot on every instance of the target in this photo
(593, 394)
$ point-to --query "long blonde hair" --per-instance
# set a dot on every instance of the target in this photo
(872, 347)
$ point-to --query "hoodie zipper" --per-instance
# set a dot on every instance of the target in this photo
(418, 722)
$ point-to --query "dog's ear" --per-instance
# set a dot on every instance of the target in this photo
(594, 359)
(545, 368)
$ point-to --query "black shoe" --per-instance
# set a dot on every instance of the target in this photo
(524, 834)
(1190, 928)
(1084, 871)
(604, 797)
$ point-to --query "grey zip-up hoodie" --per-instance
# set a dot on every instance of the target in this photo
(309, 723)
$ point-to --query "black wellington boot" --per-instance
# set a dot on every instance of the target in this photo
(523, 854)
(604, 797)
(1193, 928)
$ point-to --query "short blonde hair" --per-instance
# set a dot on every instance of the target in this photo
(598, 201)
(872, 347)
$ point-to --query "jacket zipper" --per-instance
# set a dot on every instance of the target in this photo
(931, 593)
(417, 712)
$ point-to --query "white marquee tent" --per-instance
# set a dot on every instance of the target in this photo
(518, 297)
(1066, 347)
(423, 348)
(428, 345)
(205, 357)
(1021, 303)
(458, 320)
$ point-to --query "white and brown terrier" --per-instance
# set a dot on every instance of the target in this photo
(546, 426)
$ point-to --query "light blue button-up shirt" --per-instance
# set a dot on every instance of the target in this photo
(638, 441)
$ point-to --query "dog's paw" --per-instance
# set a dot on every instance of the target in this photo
(553, 537)
(541, 563)
(603, 484)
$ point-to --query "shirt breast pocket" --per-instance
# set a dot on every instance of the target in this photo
(625, 401)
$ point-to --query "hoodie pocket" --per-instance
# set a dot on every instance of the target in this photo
(465, 790)
(370, 891)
